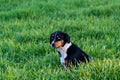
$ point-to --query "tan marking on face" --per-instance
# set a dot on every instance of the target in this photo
(59, 44)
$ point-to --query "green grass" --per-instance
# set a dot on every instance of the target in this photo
(25, 28)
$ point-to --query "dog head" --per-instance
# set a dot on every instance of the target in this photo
(59, 39)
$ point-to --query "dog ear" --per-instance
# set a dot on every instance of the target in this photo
(67, 37)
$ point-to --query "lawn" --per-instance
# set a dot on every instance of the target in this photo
(25, 28)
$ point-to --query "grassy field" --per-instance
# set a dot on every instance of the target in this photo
(25, 28)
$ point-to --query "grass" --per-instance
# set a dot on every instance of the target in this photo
(25, 28)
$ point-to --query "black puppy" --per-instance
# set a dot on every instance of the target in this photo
(69, 52)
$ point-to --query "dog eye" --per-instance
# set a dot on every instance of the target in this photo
(52, 37)
(58, 37)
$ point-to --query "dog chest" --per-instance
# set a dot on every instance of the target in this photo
(63, 52)
(63, 56)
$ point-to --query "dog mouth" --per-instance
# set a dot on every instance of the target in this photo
(57, 44)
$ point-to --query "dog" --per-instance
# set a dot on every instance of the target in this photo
(70, 54)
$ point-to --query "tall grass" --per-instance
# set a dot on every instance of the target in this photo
(25, 28)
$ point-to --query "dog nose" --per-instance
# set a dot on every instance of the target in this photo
(53, 45)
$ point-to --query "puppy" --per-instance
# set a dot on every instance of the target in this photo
(70, 54)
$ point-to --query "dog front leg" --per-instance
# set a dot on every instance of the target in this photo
(63, 64)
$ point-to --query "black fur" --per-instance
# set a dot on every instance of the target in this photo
(74, 53)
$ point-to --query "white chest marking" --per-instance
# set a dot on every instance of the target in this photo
(63, 52)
